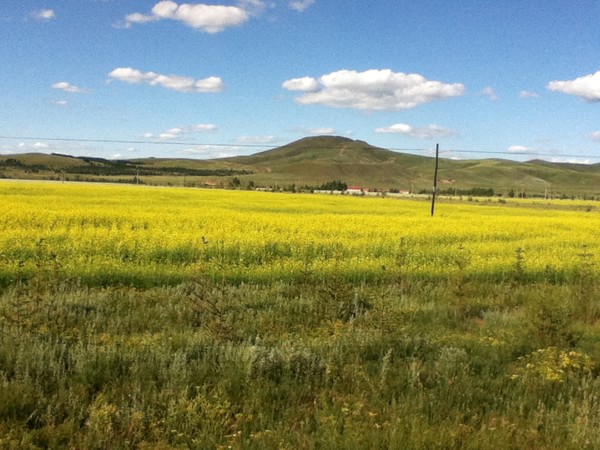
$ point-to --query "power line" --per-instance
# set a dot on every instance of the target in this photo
(120, 141)
(266, 146)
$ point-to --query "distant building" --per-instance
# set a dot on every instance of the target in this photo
(355, 190)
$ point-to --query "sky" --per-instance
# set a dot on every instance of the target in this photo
(128, 79)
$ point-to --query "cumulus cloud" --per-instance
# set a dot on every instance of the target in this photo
(400, 128)
(304, 84)
(518, 149)
(125, 153)
(65, 147)
(255, 140)
(490, 93)
(68, 87)
(170, 134)
(595, 136)
(528, 94)
(253, 7)
(208, 151)
(586, 87)
(207, 18)
(178, 132)
(322, 131)
(559, 159)
(317, 131)
(173, 82)
(372, 90)
(427, 132)
(32, 146)
(301, 5)
(44, 15)
(61, 103)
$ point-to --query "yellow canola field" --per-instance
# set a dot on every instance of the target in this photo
(112, 234)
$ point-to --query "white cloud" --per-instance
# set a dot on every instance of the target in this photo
(427, 132)
(518, 149)
(301, 5)
(212, 151)
(253, 7)
(304, 84)
(559, 159)
(123, 154)
(68, 87)
(373, 90)
(170, 134)
(210, 84)
(401, 128)
(208, 18)
(595, 136)
(61, 103)
(32, 147)
(173, 82)
(44, 15)
(255, 140)
(322, 131)
(65, 147)
(490, 93)
(132, 76)
(586, 87)
(177, 132)
(528, 94)
(203, 127)
(139, 18)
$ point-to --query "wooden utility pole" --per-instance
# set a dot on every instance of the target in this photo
(435, 177)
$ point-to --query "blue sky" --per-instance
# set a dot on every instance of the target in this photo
(511, 79)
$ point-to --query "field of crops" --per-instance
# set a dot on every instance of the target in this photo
(142, 317)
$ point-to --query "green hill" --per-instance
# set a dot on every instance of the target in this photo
(316, 160)
(313, 161)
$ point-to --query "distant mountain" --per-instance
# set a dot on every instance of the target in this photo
(322, 148)
(316, 160)
(313, 161)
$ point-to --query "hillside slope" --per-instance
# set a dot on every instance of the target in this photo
(315, 160)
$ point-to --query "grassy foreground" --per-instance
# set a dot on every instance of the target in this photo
(179, 318)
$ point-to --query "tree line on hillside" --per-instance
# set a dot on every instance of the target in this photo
(103, 167)
(115, 170)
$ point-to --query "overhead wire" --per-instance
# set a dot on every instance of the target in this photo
(121, 141)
